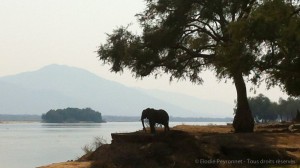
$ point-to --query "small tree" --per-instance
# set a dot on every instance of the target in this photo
(258, 39)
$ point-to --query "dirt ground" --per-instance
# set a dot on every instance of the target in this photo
(271, 145)
(69, 165)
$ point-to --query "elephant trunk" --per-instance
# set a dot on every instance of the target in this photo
(143, 124)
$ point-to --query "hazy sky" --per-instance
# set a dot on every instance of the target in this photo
(35, 33)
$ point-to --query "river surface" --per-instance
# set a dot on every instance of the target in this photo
(28, 145)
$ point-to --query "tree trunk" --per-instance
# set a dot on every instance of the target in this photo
(243, 119)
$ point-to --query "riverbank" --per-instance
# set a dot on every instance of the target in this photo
(196, 146)
(17, 122)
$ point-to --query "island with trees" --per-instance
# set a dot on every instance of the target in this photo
(72, 115)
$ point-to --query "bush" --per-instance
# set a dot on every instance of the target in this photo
(90, 148)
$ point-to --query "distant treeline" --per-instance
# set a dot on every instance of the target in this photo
(264, 110)
(72, 115)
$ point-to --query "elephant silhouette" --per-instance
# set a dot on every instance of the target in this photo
(155, 116)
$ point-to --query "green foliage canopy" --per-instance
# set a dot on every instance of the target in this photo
(258, 38)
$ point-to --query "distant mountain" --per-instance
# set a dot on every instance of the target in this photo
(59, 86)
(204, 108)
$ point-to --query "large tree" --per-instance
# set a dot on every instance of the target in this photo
(256, 39)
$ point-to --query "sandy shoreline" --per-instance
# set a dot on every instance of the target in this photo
(18, 122)
(69, 165)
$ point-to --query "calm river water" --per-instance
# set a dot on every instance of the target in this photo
(28, 145)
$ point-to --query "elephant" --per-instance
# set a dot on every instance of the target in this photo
(155, 116)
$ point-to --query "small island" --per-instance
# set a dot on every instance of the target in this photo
(72, 115)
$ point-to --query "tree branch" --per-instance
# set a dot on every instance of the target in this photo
(245, 11)
(201, 29)
(195, 54)
(297, 11)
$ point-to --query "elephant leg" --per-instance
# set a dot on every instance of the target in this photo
(167, 128)
(152, 127)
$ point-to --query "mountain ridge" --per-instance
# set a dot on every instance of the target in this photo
(60, 86)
